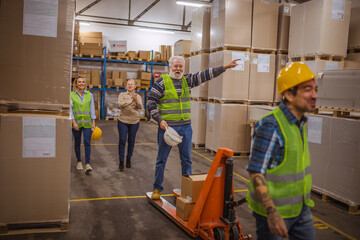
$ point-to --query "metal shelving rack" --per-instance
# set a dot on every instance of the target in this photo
(103, 88)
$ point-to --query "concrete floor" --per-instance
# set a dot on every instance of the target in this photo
(109, 204)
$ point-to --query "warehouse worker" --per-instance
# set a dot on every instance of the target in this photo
(83, 117)
(129, 103)
(172, 92)
(279, 166)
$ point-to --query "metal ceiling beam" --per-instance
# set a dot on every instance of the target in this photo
(124, 24)
(145, 11)
(88, 7)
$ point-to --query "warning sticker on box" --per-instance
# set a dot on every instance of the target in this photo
(338, 9)
(314, 129)
(40, 18)
(39, 137)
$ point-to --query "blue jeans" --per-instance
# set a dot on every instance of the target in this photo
(87, 136)
(299, 228)
(126, 131)
(164, 151)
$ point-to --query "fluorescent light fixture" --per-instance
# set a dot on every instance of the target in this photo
(156, 30)
(193, 3)
(84, 24)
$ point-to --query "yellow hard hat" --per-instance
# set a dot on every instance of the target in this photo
(292, 75)
(96, 135)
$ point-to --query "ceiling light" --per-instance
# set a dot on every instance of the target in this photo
(84, 24)
(156, 30)
(193, 3)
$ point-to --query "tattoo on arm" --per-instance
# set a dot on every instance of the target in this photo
(258, 181)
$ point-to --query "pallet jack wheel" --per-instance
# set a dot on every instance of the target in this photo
(219, 233)
(234, 233)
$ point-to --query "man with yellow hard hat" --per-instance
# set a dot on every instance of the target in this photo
(279, 166)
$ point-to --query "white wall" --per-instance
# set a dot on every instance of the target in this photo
(136, 39)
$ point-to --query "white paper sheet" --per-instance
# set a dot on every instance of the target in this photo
(211, 111)
(39, 137)
(263, 63)
(241, 62)
(314, 129)
(40, 18)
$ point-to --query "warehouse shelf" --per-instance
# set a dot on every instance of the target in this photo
(103, 88)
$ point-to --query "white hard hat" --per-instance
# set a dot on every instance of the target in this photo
(171, 137)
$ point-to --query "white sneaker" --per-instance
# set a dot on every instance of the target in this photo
(88, 168)
(79, 166)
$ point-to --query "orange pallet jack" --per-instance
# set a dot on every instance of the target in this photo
(213, 216)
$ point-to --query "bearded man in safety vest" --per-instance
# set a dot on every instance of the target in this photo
(279, 167)
(169, 105)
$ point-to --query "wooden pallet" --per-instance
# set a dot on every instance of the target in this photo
(338, 112)
(353, 208)
(82, 55)
(144, 119)
(197, 145)
(231, 48)
(354, 50)
(199, 99)
(238, 154)
(94, 86)
(282, 51)
(160, 61)
(33, 227)
(199, 52)
(317, 57)
(117, 58)
(223, 101)
(31, 107)
(264, 51)
(110, 118)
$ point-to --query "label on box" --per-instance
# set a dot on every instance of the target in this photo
(286, 10)
(39, 137)
(188, 198)
(314, 129)
(283, 62)
(263, 63)
(338, 9)
(40, 18)
(203, 106)
(211, 111)
(241, 62)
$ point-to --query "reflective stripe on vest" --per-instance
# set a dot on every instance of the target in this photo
(81, 111)
(289, 184)
(171, 107)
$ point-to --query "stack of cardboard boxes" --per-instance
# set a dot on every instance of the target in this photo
(115, 79)
(145, 80)
(191, 186)
(35, 146)
(91, 43)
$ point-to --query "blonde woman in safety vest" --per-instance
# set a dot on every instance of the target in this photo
(279, 166)
(83, 120)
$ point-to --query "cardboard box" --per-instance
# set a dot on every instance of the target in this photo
(262, 77)
(325, 22)
(40, 60)
(145, 83)
(232, 85)
(231, 23)
(351, 65)
(75, 68)
(187, 65)
(191, 186)
(91, 34)
(231, 131)
(145, 55)
(137, 83)
(200, 30)
(131, 54)
(86, 74)
(281, 61)
(117, 46)
(168, 52)
(95, 77)
(353, 57)
(118, 82)
(318, 66)
(91, 40)
(144, 75)
(339, 89)
(199, 63)
(198, 122)
(182, 47)
(354, 28)
(283, 27)
(334, 146)
(183, 208)
(35, 168)
(265, 24)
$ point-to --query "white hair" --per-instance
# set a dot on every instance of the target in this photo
(171, 60)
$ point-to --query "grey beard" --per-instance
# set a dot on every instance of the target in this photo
(172, 75)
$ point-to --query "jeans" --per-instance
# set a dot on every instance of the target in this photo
(164, 151)
(300, 227)
(87, 136)
(126, 131)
